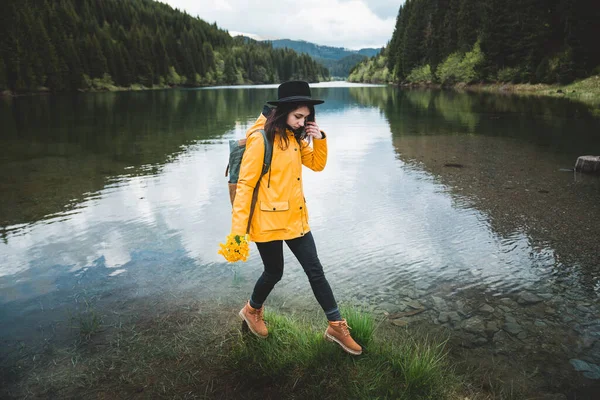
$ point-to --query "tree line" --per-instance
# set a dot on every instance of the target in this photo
(448, 41)
(68, 45)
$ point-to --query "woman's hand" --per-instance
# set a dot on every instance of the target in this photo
(312, 130)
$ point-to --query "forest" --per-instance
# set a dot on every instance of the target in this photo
(519, 41)
(70, 45)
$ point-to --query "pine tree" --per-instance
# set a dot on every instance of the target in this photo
(468, 22)
(96, 59)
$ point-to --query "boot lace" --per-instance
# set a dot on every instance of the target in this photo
(345, 328)
(258, 314)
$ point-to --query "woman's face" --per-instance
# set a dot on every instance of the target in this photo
(297, 118)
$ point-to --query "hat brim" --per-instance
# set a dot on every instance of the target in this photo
(296, 99)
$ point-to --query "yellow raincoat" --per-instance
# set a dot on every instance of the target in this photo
(280, 212)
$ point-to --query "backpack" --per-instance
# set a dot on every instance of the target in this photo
(236, 152)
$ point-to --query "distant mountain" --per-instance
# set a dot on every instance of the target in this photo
(315, 50)
(369, 52)
(340, 68)
(338, 60)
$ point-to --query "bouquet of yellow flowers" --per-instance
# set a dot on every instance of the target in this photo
(235, 248)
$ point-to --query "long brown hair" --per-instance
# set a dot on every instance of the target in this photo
(276, 124)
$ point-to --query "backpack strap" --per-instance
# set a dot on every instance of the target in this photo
(268, 153)
(268, 157)
(266, 166)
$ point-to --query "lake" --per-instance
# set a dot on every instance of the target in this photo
(463, 207)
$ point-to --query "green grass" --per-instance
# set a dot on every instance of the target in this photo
(201, 352)
(295, 358)
(584, 90)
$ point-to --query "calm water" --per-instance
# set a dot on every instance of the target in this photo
(425, 193)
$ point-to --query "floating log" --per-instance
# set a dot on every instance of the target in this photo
(588, 164)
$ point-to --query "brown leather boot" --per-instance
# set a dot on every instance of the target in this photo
(254, 319)
(339, 332)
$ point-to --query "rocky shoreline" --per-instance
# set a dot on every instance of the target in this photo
(556, 336)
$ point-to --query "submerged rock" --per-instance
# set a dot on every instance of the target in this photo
(588, 164)
(474, 325)
(591, 371)
(448, 316)
(526, 298)
(439, 303)
(486, 308)
(513, 328)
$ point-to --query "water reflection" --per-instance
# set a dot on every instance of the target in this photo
(503, 155)
(424, 193)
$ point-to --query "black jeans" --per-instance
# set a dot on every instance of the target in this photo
(306, 252)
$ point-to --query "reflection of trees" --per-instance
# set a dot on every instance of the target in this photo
(519, 190)
(542, 120)
(58, 148)
(512, 148)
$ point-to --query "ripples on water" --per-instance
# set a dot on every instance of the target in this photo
(159, 204)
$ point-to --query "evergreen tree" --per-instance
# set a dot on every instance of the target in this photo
(96, 59)
(523, 40)
(468, 21)
(56, 43)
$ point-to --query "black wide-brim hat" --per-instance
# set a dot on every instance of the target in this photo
(294, 92)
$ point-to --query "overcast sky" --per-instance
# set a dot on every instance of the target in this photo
(352, 24)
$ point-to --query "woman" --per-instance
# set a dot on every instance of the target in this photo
(280, 210)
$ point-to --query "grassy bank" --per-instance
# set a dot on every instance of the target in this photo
(585, 90)
(298, 360)
(204, 354)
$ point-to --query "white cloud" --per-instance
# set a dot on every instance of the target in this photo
(342, 23)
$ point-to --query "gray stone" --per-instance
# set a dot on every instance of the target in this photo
(580, 365)
(439, 303)
(401, 307)
(460, 306)
(474, 325)
(480, 341)
(522, 335)
(540, 324)
(592, 374)
(527, 298)
(454, 317)
(491, 327)
(550, 310)
(512, 328)
(468, 340)
(505, 309)
(510, 319)
(591, 371)
(545, 296)
(507, 302)
(443, 317)
(486, 308)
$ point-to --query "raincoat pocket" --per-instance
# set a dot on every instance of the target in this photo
(274, 215)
